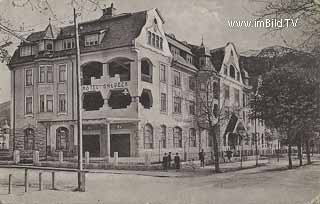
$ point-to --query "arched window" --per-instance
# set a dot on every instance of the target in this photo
(232, 71)
(146, 70)
(62, 138)
(120, 66)
(146, 98)
(29, 139)
(163, 136)
(192, 137)
(119, 99)
(148, 136)
(177, 137)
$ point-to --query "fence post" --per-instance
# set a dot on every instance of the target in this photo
(36, 158)
(60, 156)
(26, 180)
(40, 181)
(87, 158)
(116, 160)
(10, 184)
(53, 180)
(16, 156)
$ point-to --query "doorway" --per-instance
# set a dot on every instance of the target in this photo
(91, 143)
(120, 143)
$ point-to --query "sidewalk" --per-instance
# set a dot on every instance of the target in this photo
(207, 170)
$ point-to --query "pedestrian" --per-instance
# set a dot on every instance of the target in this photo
(222, 155)
(165, 162)
(201, 158)
(169, 159)
(177, 161)
(229, 155)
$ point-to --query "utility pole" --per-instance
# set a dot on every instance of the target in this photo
(81, 174)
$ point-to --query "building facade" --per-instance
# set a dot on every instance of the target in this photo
(139, 93)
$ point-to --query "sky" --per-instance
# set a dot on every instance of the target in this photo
(189, 20)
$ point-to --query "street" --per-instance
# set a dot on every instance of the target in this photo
(271, 184)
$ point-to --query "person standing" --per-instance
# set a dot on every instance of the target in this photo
(169, 159)
(201, 158)
(165, 162)
(177, 161)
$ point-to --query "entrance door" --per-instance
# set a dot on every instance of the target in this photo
(91, 143)
(120, 143)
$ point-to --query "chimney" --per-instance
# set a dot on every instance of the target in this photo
(109, 12)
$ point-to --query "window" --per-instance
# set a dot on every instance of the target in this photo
(91, 40)
(49, 74)
(153, 39)
(163, 102)
(118, 100)
(146, 70)
(94, 101)
(42, 74)
(146, 99)
(149, 37)
(177, 104)
(62, 73)
(41, 105)
(157, 41)
(49, 45)
(176, 78)
(29, 77)
(62, 138)
(25, 51)
(49, 103)
(161, 43)
(177, 137)
(192, 83)
(119, 66)
(68, 43)
(163, 136)
(192, 137)
(202, 86)
(148, 137)
(29, 105)
(62, 103)
(238, 76)
(192, 108)
(225, 70)
(236, 97)
(29, 138)
(226, 92)
(163, 73)
(232, 71)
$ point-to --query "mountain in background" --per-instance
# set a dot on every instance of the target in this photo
(259, 62)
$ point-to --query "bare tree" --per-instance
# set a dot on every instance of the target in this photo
(209, 115)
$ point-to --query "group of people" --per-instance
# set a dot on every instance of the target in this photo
(167, 159)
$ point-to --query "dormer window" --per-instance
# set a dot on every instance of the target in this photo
(25, 51)
(91, 40)
(49, 45)
(232, 72)
(68, 44)
(155, 40)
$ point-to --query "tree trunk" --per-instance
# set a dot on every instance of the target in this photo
(215, 150)
(308, 151)
(299, 153)
(289, 156)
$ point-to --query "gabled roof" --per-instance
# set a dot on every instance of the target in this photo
(217, 56)
(120, 31)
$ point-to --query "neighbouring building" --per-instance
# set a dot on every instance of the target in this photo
(139, 90)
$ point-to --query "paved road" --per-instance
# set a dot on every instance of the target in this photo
(270, 184)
